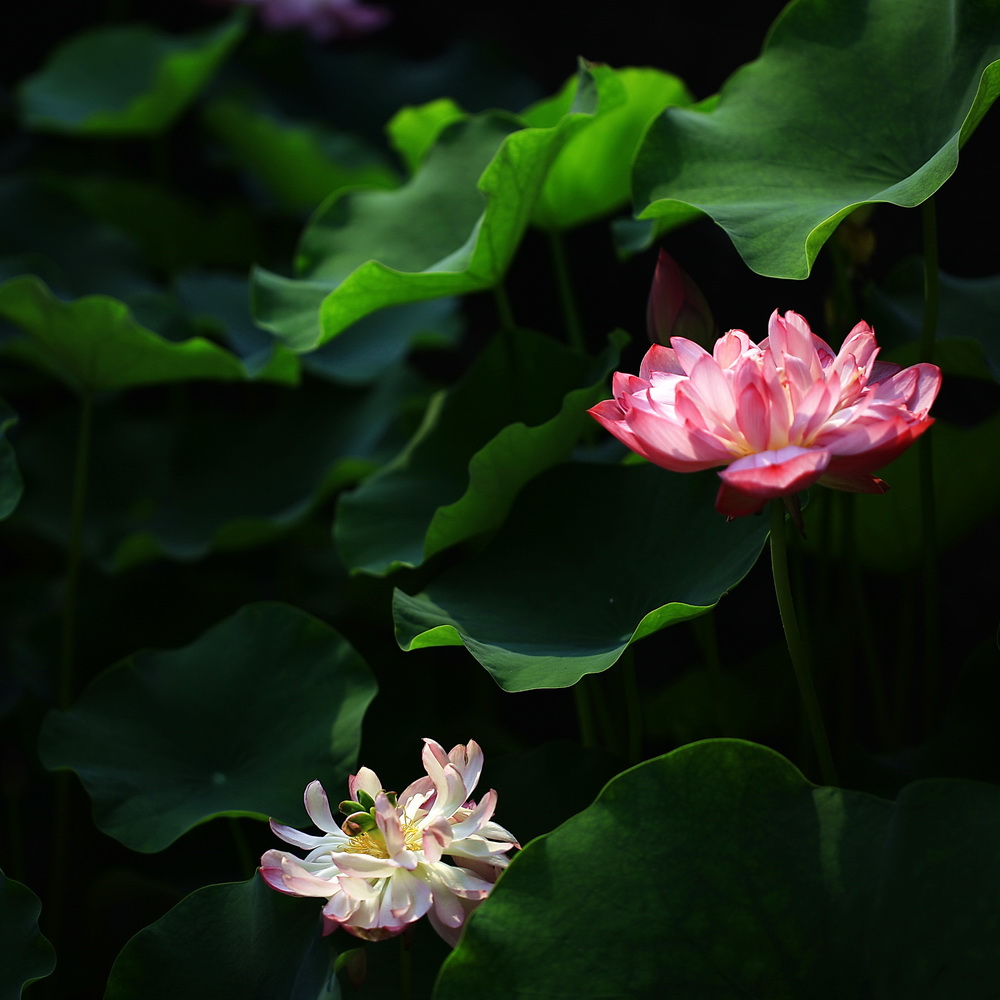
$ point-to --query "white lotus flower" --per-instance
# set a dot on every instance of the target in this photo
(382, 868)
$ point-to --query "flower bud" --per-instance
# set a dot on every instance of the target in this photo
(676, 306)
(358, 823)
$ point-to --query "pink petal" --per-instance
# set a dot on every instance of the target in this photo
(769, 474)
(282, 872)
(915, 387)
(366, 780)
(753, 418)
(659, 359)
(688, 353)
(391, 829)
(676, 447)
(468, 758)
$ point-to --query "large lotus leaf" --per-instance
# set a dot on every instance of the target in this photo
(222, 470)
(368, 350)
(229, 942)
(734, 877)
(966, 493)
(452, 229)
(93, 343)
(968, 330)
(592, 174)
(174, 232)
(44, 231)
(24, 954)
(478, 445)
(298, 164)
(201, 728)
(850, 103)
(591, 558)
(124, 80)
(10, 476)
(219, 302)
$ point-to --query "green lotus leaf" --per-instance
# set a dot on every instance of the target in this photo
(852, 103)
(592, 173)
(451, 229)
(93, 343)
(536, 615)
(204, 734)
(414, 130)
(24, 954)
(238, 939)
(478, 445)
(174, 232)
(155, 76)
(734, 877)
(966, 496)
(224, 470)
(299, 164)
(968, 329)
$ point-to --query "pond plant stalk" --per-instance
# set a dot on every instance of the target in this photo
(925, 462)
(797, 651)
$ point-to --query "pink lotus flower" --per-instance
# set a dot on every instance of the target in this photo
(779, 416)
(382, 868)
(325, 20)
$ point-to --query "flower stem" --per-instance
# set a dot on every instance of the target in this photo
(584, 715)
(504, 313)
(405, 966)
(932, 281)
(571, 314)
(925, 463)
(796, 648)
(78, 505)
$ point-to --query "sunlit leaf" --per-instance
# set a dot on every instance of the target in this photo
(24, 954)
(851, 103)
(414, 130)
(592, 174)
(537, 615)
(734, 877)
(210, 730)
(451, 230)
(129, 80)
(238, 939)
(479, 444)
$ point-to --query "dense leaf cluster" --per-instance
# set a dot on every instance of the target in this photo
(293, 442)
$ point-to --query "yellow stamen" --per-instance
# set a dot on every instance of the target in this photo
(373, 843)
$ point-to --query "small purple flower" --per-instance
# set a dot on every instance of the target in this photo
(325, 20)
